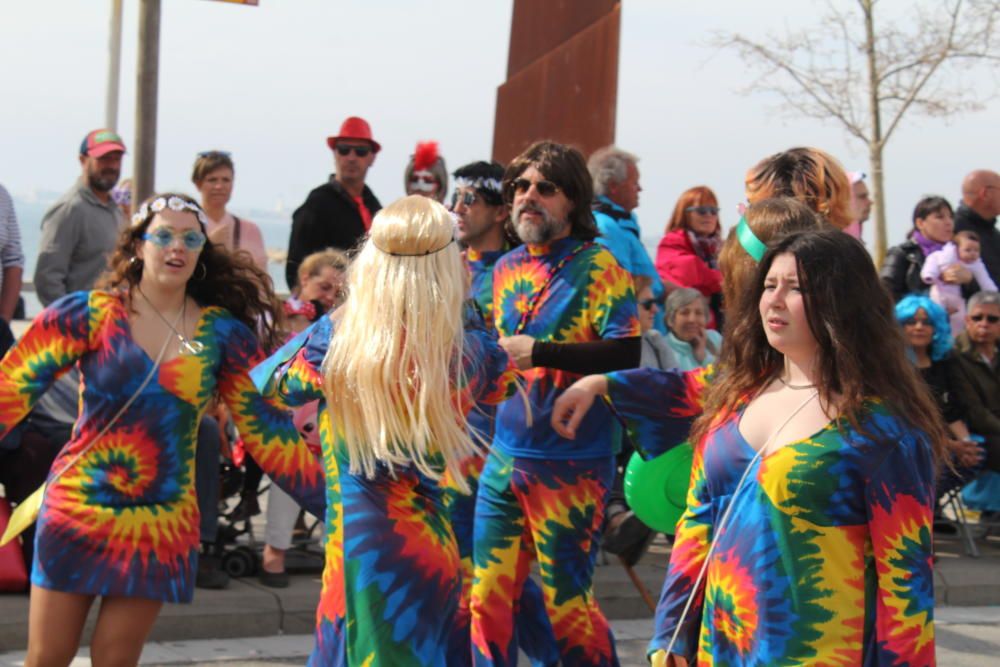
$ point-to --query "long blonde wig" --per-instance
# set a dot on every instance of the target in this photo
(394, 367)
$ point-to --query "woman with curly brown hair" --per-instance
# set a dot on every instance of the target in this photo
(172, 326)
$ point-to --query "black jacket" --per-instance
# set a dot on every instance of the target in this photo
(978, 388)
(900, 271)
(989, 239)
(329, 218)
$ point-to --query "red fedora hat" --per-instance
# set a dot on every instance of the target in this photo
(354, 128)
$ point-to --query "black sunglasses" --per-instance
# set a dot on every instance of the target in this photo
(702, 210)
(647, 304)
(360, 151)
(208, 154)
(519, 186)
(992, 319)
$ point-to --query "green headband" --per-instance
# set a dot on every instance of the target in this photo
(753, 245)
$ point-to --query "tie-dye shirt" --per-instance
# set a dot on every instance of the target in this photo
(590, 298)
(356, 583)
(826, 558)
(123, 519)
(481, 269)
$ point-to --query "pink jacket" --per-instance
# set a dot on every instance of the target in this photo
(677, 262)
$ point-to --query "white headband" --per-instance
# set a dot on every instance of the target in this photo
(173, 203)
(491, 184)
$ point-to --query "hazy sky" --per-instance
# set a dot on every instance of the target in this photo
(270, 83)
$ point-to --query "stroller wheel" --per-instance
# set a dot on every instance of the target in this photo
(240, 561)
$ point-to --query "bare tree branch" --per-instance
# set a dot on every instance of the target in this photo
(858, 71)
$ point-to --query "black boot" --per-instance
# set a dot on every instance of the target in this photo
(210, 573)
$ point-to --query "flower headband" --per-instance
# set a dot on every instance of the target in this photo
(174, 204)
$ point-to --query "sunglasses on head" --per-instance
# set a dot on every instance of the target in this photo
(210, 154)
(520, 186)
(467, 198)
(979, 317)
(702, 210)
(647, 304)
(163, 237)
(360, 151)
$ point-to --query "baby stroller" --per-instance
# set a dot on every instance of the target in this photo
(240, 542)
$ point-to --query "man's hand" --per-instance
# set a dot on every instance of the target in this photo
(956, 274)
(570, 408)
(518, 348)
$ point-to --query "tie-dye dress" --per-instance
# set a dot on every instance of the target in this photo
(123, 520)
(827, 556)
(392, 579)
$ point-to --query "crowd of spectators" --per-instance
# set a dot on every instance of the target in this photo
(942, 276)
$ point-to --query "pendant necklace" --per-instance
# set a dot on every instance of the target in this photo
(188, 346)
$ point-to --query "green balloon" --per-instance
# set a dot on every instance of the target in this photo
(656, 490)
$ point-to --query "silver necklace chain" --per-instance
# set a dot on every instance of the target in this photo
(796, 387)
(188, 346)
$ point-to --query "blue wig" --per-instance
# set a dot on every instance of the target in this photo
(907, 308)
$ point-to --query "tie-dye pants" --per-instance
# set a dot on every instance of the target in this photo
(534, 632)
(551, 510)
(398, 578)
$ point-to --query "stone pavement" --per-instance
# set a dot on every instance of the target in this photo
(274, 624)
(967, 637)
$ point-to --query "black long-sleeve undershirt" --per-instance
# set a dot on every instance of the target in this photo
(600, 356)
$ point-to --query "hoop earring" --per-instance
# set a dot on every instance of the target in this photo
(204, 271)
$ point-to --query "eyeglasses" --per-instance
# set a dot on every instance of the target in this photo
(360, 151)
(922, 321)
(210, 154)
(648, 304)
(163, 237)
(467, 198)
(547, 189)
(703, 210)
(979, 317)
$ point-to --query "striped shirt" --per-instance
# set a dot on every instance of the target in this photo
(10, 235)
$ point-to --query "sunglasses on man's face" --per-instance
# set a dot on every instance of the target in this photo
(360, 151)
(467, 198)
(163, 237)
(520, 186)
(703, 210)
(648, 304)
(979, 317)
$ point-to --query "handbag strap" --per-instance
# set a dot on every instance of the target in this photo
(125, 406)
(536, 297)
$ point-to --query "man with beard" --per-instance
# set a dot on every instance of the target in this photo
(81, 228)
(481, 215)
(563, 307)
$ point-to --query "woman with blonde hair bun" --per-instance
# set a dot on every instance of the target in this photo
(398, 365)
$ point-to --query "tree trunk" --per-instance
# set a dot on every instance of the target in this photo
(875, 144)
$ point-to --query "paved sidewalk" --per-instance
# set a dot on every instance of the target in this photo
(967, 637)
(248, 609)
